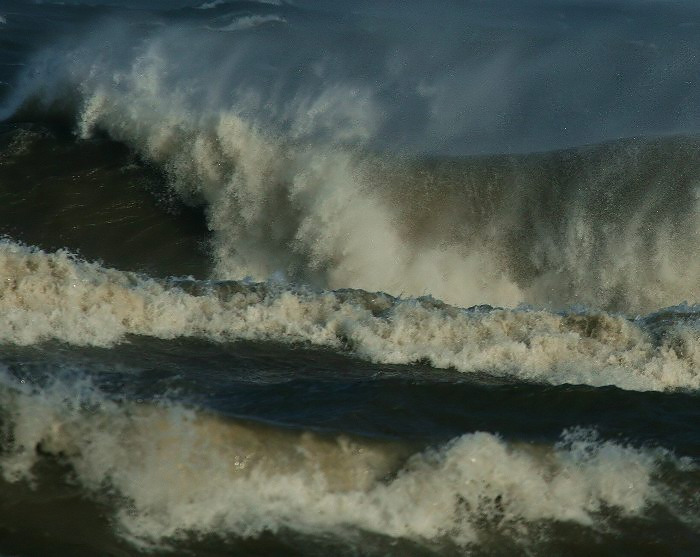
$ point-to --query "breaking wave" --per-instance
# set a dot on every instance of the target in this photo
(56, 296)
(177, 471)
(408, 187)
(296, 186)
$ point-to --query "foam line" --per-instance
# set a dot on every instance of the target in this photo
(56, 296)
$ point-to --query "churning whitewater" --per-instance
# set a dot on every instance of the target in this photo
(260, 480)
(306, 196)
(310, 278)
(55, 296)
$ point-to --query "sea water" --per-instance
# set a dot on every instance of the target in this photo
(365, 278)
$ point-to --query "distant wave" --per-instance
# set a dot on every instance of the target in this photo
(210, 5)
(249, 22)
(173, 471)
(215, 3)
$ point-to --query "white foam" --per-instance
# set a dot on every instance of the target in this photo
(54, 296)
(178, 471)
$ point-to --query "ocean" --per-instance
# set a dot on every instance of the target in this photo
(361, 278)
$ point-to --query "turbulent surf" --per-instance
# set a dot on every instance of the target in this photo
(300, 277)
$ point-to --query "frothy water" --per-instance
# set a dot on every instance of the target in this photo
(180, 471)
(54, 296)
(439, 289)
(613, 226)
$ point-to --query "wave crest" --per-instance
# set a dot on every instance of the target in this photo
(54, 296)
(178, 471)
(293, 189)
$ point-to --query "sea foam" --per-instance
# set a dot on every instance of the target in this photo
(56, 296)
(178, 471)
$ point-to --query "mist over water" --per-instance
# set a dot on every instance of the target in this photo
(306, 277)
(459, 78)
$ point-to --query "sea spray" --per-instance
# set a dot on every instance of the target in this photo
(303, 194)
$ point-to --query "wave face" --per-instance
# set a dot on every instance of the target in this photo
(174, 471)
(96, 198)
(293, 184)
